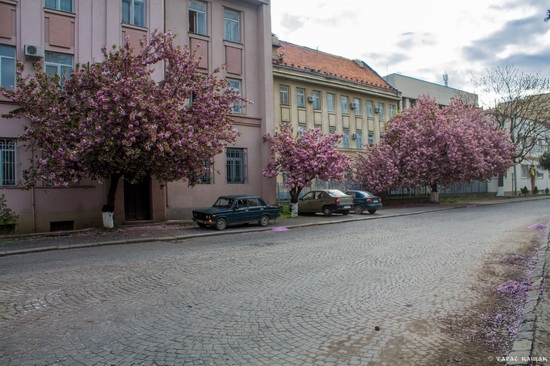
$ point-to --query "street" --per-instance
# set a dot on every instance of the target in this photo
(372, 292)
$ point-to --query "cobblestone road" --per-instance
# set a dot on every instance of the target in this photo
(307, 296)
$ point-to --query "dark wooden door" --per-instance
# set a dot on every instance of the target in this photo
(137, 200)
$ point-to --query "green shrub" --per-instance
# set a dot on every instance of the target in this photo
(524, 190)
(8, 218)
(547, 191)
(535, 190)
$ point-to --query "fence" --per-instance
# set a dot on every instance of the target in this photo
(283, 194)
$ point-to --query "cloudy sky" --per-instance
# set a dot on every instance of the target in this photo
(422, 38)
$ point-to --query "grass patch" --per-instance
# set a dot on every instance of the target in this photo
(469, 198)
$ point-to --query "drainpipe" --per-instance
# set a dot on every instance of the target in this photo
(33, 210)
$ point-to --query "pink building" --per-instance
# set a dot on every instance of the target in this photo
(62, 33)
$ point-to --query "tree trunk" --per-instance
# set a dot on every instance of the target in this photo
(294, 195)
(109, 208)
(434, 197)
(500, 188)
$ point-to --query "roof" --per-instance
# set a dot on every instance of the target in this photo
(317, 62)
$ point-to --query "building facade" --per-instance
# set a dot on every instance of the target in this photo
(314, 89)
(62, 33)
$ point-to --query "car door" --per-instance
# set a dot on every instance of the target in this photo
(241, 212)
(255, 209)
(307, 203)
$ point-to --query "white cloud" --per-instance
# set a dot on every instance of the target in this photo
(422, 38)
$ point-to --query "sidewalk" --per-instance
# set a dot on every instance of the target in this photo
(182, 230)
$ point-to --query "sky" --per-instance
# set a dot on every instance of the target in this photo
(423, 39)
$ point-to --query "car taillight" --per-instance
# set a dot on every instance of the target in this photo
(369, 200)
(337, 200)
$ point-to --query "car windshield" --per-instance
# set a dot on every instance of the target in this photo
(336, 193)
(224, 202)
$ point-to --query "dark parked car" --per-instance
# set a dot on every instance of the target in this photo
(365, 201)
(236, 209)
(326, 201)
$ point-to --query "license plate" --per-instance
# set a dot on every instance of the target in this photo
(375, 201)
(347, 206)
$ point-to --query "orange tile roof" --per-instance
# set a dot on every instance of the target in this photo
(310, 60)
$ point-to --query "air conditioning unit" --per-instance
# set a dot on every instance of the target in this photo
(310, 99)
(353, 105)
(32, 51)
(378, 110)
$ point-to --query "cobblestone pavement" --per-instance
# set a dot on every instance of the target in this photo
(356, 293)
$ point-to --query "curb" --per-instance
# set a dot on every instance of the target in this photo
(6, 253)
(522, 348)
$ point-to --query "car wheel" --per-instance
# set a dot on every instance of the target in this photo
(357, 210)
(264, 220)
(221, 224)
(201, 224)
(372, 211)
(327, 211)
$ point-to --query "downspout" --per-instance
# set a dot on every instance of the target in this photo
(33, 210)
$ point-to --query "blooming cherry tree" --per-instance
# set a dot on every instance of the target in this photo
(110, 119)
(303, 158)
(432, 145)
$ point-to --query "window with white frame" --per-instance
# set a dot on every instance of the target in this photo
(357, 106)
(371, 138)
(330, 102)
(331, 131)
(236, 165)
(284, 94)
(358, 140)
(540, 174)
(61, 5)
(381, 112)
(231, 25)
(236, 84)
(345, 139)
(207, 177)
(316, 100)
(301, 97)
(133, 12)
(301, 130)
(198, 17)
(58, 63)
(369, 109)
(525, 168)
(7, 162)
(7, 66)
(344, 104)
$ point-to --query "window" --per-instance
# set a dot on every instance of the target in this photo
(369, 109)
(316, 100)
(58, 63)
(381, 113)
(358, 140)
(197, 17)
(301, 130)
(301, 97)
(283, 92)
(525, 171)
(236, 165)
(345, 139)
(7, 66)
(62, 5)
(391, 110)
(231, 26)
(344, 104)
(331, 131)
(357, 105)
(207, 176)
(371, 138)
(133, 12)
(7, 162)
(236, 84)
(330, 102)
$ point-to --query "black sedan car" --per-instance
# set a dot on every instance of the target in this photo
(364, 201)
(236, 209)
